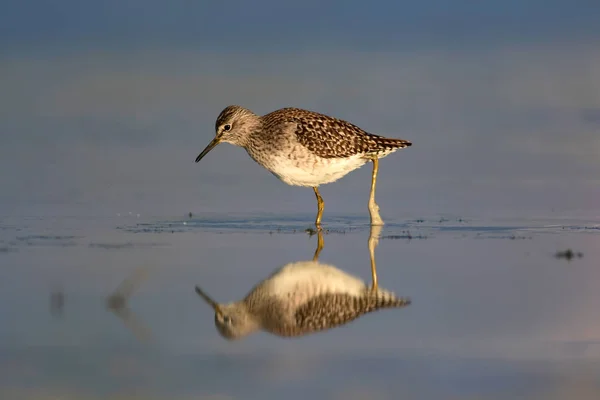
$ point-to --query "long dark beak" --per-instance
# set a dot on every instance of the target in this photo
(211, 302)
(208, 148)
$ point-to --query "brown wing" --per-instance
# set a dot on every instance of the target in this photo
(330, 137)
(332, 310)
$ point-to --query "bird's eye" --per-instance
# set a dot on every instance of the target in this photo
(227, 128)
(227, 319)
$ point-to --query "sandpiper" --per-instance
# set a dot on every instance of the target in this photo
(301, 298)
(305, 148)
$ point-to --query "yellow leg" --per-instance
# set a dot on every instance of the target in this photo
(373, 207)
(320, 244)
(321, 207)
(373, 242)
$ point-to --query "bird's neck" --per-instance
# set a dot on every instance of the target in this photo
(251, 323)
(258, 145)
(254, 131)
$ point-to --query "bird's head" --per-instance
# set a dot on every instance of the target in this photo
(231, 320)
(234, 125)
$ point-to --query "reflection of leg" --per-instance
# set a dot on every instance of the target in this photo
(320, 244)
(373, 242)
(321, 206)
(373, 207)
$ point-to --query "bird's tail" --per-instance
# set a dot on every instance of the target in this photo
(380, 146)
(387, 299)
(391, 143)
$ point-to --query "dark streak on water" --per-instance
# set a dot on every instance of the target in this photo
(411, 229)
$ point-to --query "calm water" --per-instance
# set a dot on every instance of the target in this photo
(103, 109)
(495, 314)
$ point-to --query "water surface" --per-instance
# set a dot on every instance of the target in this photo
(495, 313)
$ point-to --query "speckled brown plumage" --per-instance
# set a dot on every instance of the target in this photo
(331, 310)
(330, 137)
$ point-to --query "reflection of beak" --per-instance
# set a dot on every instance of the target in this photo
(210, 301)
(208, 148)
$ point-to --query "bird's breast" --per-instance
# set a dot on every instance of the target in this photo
(297, 166)
(299, 281)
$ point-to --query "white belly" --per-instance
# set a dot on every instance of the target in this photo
(305, 279)
(312, 171)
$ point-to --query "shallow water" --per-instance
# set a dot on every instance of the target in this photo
(494, 314)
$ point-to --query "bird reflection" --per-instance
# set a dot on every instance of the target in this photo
(304, 297)
(117, 304)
